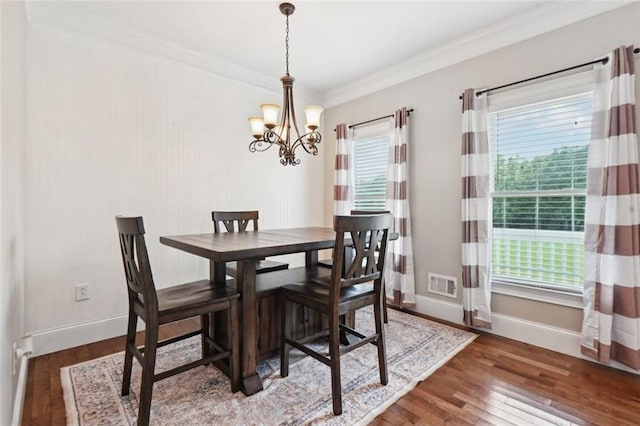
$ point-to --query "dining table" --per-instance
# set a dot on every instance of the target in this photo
(247, 248)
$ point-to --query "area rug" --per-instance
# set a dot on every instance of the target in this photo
(415, 348)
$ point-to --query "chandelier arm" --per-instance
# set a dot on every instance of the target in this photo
(311, 139)
(282, 135)
(299, 142)
(260, 145)
(284, 124)
(296, 144)
(268, 139)
(272, 137)
(293, 113)
(284, 150)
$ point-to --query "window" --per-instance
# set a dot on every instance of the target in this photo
(539, 143)
(370, 165)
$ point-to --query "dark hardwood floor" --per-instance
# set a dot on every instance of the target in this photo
(492, 381)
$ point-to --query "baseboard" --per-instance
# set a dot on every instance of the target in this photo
(57, 339)
(21, 357)
(542, 335)
(16, 418)
(533, 333)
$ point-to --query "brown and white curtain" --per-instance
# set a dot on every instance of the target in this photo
(476, 212)
(611, 325)
(399, 275)
(343, 174)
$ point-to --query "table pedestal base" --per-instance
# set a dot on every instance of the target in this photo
(251, 384)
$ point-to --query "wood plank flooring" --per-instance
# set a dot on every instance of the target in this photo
(492, 381)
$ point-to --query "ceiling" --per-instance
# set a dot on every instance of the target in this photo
(335, 46)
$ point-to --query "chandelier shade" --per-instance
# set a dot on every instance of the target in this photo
(313, 113)
(274, 128)
(270, 114)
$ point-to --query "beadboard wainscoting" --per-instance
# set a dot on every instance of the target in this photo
(112, 129)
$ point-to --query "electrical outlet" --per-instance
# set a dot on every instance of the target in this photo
(82, 292)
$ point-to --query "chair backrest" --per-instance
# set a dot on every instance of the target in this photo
(363, 234)
(364, 212)
(234, 221)
(135, 259)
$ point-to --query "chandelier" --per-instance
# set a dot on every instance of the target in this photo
(268, 131)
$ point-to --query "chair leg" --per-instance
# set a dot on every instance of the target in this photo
(284, 347)
(205, 332)
(382, 357)
(234, 335)
(128, 353)
(384, 303)
(148, 368)
(334, 354)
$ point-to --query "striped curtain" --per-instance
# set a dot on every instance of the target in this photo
(399, 277)
(611, 325)
(343, 175)
(476, 212)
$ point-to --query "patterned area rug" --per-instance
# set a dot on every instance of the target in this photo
(415, 348)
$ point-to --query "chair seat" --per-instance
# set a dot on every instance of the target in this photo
(262, 267)
(318, 290)
(192, 295)
(328, 263)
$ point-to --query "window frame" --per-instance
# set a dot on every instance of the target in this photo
(555, 88)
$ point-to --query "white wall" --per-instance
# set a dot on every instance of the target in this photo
(115, 130)
(12, 124)
(435, 141)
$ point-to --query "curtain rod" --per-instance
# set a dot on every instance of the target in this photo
(603, 60)
(350, 126)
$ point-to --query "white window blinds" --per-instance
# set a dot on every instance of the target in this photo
(539, 171)
(371, 159)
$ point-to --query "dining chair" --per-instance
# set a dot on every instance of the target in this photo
(239, 221)
(328, 263)
(356, 282)
(156, 307)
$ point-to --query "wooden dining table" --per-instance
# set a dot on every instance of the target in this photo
(247, 248)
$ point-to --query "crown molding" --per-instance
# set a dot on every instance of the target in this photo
(58, 16)
(549, 16)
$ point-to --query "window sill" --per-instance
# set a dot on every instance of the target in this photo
(573, 300)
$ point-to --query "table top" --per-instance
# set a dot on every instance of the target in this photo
(229, 246)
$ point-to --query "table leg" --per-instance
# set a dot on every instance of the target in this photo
(218, 272)
(248, 324)
(218, 321)
(311, 258)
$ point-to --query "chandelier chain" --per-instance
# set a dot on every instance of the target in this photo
(286, 42)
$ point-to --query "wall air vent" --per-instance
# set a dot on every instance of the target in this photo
(443, 285)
